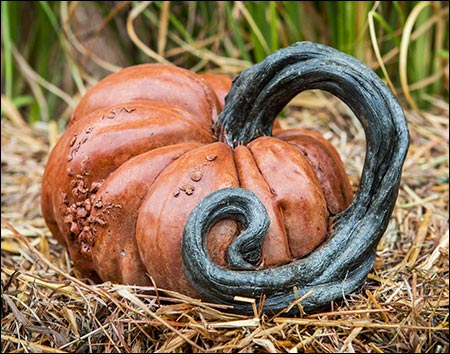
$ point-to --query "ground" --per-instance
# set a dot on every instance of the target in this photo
(403, 307)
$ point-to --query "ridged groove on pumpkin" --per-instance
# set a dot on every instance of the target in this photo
(128, 186)
(327, 164)
(172, 85)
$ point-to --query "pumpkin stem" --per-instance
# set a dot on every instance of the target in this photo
(340, 265)
(243, 206)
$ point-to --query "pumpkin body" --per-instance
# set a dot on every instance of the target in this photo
(139, 154)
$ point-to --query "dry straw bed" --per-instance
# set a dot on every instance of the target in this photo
(47, 306)
(403, 307)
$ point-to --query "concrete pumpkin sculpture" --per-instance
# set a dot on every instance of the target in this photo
(160, 175)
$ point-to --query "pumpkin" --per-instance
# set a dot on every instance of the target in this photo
(163, 177)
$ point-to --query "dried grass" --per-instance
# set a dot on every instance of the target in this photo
(403, 307)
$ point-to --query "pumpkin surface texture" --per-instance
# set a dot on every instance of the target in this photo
(162, 173)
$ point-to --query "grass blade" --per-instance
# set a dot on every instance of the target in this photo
(7, 53)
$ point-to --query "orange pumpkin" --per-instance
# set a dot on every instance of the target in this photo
(140, 153)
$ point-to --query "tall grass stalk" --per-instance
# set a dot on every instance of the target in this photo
(7, 67)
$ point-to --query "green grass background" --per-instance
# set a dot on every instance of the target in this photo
(53, 51)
